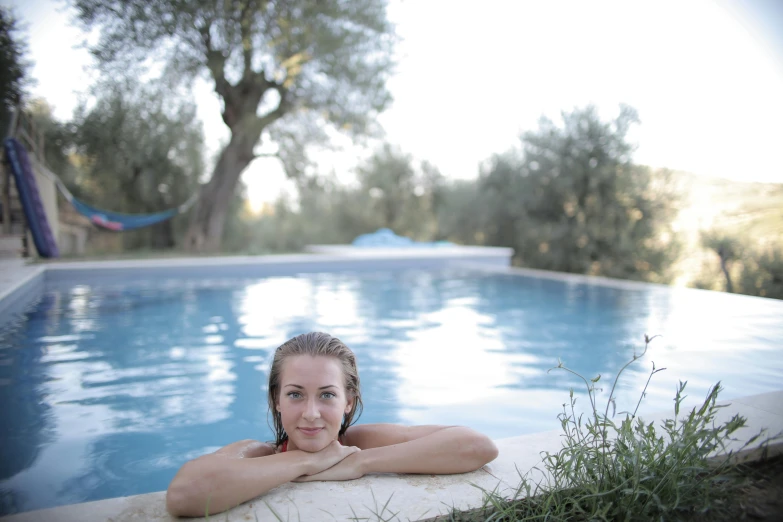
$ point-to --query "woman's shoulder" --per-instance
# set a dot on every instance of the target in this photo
(366, 436)
(247, 449)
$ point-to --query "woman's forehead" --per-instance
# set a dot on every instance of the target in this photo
(318, 370)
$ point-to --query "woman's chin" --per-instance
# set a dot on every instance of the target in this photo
(311, 446)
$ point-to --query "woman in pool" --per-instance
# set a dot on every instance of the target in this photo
(315, 398)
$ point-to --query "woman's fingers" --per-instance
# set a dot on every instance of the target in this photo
(331, 455)
(350, 450)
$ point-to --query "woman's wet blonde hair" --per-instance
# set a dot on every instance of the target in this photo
(314, 344)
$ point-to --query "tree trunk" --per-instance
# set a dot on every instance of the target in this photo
(205, 232)
(162, 235)
(207, 220)
(724, 268)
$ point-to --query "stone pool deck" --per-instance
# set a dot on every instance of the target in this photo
(407, 497)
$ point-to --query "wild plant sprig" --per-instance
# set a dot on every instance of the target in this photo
(627, 470)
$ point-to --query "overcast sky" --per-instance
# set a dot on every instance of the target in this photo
(706, 77)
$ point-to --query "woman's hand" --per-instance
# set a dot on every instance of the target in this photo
(347, 469)
(329, 457)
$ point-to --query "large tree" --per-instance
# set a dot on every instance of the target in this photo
(281, 68)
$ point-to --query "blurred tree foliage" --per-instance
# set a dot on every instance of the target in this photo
(762, 271)
(401, 197)
(58, 139)
(283, 69)
(747, 247)
(391, 191)
(728, 250)
(570, 199)
(741, 266)
(13, 66)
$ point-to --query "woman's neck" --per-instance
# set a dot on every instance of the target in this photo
(288, 445)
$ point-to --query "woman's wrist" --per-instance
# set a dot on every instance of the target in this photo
(305, 462)
(364, 461)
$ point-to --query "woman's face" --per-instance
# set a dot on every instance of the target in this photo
(312, 401)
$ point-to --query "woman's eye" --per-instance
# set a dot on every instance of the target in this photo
(294, 395)
(328, 395)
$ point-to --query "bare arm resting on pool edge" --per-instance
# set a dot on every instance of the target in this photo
(242, 471)
(389, 448)
(246, 469)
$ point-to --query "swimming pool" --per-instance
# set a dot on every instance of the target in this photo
(108, 387)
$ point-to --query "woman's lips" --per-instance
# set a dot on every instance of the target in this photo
(311, 431)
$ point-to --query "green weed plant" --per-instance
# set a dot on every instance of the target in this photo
(626, 470)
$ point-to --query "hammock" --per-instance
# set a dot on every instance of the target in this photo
(119, 222)
(114, 221)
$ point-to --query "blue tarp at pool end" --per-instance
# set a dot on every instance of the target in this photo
(385, 238)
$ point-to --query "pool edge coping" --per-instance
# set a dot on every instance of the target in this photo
(17, 296)
(410, 493)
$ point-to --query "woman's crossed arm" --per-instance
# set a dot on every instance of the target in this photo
(235, 474)
(390, 448)
(246, 469)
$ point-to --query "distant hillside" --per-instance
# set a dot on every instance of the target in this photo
(753, 211)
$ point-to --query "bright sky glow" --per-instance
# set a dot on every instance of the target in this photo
(705, 82)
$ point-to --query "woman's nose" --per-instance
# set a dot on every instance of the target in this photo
(311, 412)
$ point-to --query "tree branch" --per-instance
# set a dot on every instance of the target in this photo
(268, 155)
(246, 34)
(216, 63)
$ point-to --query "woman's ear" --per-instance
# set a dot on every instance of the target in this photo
(349, 406)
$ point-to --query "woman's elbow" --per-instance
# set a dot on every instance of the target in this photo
(479, 451)
(184, 502)
(176, 500)
(486, 450)
(183, 497)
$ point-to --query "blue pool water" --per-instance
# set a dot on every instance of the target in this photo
(107, 389)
